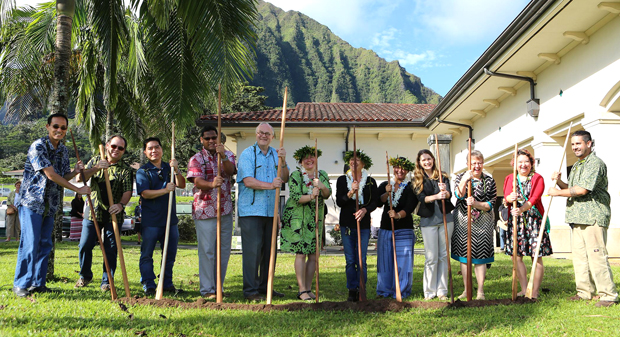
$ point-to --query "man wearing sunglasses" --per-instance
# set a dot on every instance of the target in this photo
(257, 179)
(121, 182)
(202, 172)
(46, 172)
(153, 185)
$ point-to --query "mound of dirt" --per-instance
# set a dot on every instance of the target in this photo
(378, 306)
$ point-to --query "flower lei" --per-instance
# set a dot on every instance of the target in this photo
(361, 184)
(307, 181)
(401, 187)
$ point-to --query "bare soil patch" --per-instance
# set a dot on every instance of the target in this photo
(371, 306)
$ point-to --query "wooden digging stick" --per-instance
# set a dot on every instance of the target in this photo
(515, 219)
(164, 256)
(530, 283)
(445, 223)
(117, 233)
(276, 210)
(362, 290)
(399, 296)
(97, 230)
(469, 287)
(316, 221)
(218, 239)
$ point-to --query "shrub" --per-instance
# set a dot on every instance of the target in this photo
(416, 229)
(336, 235)
(187, 229)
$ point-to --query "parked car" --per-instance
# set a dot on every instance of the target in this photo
(4, 192)
(2, 220)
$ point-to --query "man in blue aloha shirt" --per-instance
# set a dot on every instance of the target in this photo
(257, 179)
(46, 172)
(153, 185)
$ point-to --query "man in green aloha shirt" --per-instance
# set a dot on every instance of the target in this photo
(588, 212)
(121, 182)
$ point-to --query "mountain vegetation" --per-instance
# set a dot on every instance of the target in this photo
(317, 66)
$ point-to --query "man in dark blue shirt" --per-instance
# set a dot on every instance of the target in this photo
(153, 185)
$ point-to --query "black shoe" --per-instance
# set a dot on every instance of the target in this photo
(174, 290)
(273, 294)
(353, 295)
(20, 292)
(42, 290)
(149, 292)
(255, 298)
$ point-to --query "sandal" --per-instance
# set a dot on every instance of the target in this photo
(304, 292)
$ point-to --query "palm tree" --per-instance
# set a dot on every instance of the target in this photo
(167, 60)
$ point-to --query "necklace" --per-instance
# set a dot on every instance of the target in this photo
(307, 181)
(401, 187)
(361, 184)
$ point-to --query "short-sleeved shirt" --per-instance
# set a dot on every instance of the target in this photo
(121, 181)
(594, 207)
(155, 211)
(204, 165)
(37, 192)
(263, 167)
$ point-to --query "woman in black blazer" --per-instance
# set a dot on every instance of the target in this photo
(431, 186)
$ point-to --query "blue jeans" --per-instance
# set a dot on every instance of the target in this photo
(502, 238)
(150, 237)
(88, 241)
(349, 243)
(34, 249)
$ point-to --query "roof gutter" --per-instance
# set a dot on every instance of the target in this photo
(534, 10)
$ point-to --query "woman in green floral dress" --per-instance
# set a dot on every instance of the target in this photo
(298, 221)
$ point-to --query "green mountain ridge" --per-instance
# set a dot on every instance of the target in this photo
(317, 66)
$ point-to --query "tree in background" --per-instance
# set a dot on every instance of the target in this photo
(168, 63)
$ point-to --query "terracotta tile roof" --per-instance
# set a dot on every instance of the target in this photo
(334, 112)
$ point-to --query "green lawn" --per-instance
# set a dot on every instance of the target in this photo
(89, 312)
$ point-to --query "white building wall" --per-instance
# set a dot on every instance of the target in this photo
(332, 142)
(585, 75)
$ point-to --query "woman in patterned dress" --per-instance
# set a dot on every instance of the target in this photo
(403, 204)
(530, 187)
(298, 221)
(482, 199)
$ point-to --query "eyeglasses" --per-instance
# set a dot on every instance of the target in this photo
(209, 138)
(264, 134)
(61, 127)
(120, 148)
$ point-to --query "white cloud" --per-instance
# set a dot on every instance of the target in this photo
(466, 22)
(383, 38)
(425, 59)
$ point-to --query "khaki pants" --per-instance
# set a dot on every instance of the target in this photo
(592, 271)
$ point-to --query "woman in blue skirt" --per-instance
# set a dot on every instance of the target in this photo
(403, 204)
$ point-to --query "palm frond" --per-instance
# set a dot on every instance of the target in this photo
(107, 18)
(136, 60)
(180, 88)
(221, 34)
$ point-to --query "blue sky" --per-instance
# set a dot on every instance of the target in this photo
(436, 40)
